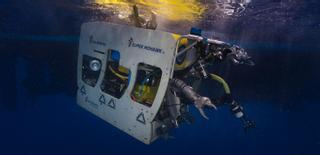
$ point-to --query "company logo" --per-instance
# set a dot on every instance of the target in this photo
(92, 41)
(131, 43)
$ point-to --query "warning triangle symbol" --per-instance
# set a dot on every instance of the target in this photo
(111, 104)
(102, 100)
(83, 90)
(141, 118)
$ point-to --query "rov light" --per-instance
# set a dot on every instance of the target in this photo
(95, 65)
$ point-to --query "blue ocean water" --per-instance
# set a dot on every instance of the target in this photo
(39, 114)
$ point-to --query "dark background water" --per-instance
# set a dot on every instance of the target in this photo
(39, 115)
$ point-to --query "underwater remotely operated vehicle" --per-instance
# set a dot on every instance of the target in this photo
(135, 79)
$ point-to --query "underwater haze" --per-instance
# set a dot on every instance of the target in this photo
(39, 43)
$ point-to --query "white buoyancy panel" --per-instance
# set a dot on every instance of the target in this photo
(110, 60)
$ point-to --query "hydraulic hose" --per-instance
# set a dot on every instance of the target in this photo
(235, 107)
(223, 82)
(117, 74)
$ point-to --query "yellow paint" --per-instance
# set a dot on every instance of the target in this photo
(176, 10)
(176, 36)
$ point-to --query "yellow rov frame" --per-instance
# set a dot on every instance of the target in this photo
(115, 66)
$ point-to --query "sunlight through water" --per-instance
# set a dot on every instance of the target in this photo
(175, 10)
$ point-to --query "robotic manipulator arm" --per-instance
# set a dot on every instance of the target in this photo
(210, 51)
(219, 50)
